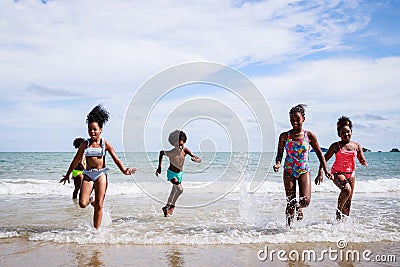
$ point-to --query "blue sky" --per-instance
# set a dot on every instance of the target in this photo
(58, 59)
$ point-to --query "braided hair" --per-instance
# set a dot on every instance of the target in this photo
(98, 114)
(298, 108)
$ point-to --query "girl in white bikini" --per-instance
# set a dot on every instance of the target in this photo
(95, 175)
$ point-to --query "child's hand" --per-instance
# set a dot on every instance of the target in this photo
(319, 179)
(196, 159)
(130, 171)
(364, 163)
(158, 171)
(276, 167)
(64, 179)
(329, 175)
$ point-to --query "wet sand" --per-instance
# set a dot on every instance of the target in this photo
(21, 252)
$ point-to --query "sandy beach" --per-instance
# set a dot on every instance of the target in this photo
(21, 252)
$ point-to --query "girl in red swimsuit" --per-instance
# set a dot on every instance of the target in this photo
(343, 168)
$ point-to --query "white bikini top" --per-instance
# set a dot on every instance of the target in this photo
(95, 151)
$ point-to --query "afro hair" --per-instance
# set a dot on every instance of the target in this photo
(98, 114)
(177, 136)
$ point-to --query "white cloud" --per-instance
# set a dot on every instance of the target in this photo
(344, 82)
(335, 87)
(202, 110)
(91, 35)
(104, 50)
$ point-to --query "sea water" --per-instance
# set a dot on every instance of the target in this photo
(216, 207)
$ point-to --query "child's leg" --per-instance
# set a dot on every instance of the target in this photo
(77, 185)
(290, 189)
(176, 191)
(304, 193)
(100, 188)
(86, 190)
(76, 188)
(345, 191)
(347, 204)
(304, 190)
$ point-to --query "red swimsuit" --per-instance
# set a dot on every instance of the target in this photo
(345, 163)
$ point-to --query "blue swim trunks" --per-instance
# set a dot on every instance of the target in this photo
(171, 175)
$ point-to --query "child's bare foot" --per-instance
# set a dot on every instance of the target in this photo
(170, 210)
(339, 215)
(75, 194)
(300, 214)
(289, 220)
(289, 217)
(165, 210)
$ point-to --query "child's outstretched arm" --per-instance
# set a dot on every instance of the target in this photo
(75, 161)
(160, 157)
(193, 156)
(331, 151)
(279, 153)
(117, 161)
(317, 149)
(360, 156)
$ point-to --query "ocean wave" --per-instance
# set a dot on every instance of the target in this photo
(9, 234)
(322, 232)
(54, 188)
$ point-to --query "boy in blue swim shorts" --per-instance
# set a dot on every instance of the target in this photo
(176, 158)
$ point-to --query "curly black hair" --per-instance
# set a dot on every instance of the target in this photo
(343, 121)
(298, 108)
(177, 136)
(78, 141)
(98, 114)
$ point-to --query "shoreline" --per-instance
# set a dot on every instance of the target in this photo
(19, 251)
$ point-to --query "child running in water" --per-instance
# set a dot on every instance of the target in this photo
(176, 158)
(346, 152)
(77, 172)
(296, 168)
(95, 175)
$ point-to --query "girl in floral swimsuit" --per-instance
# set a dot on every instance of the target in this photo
(296, 168)
(343, 168)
